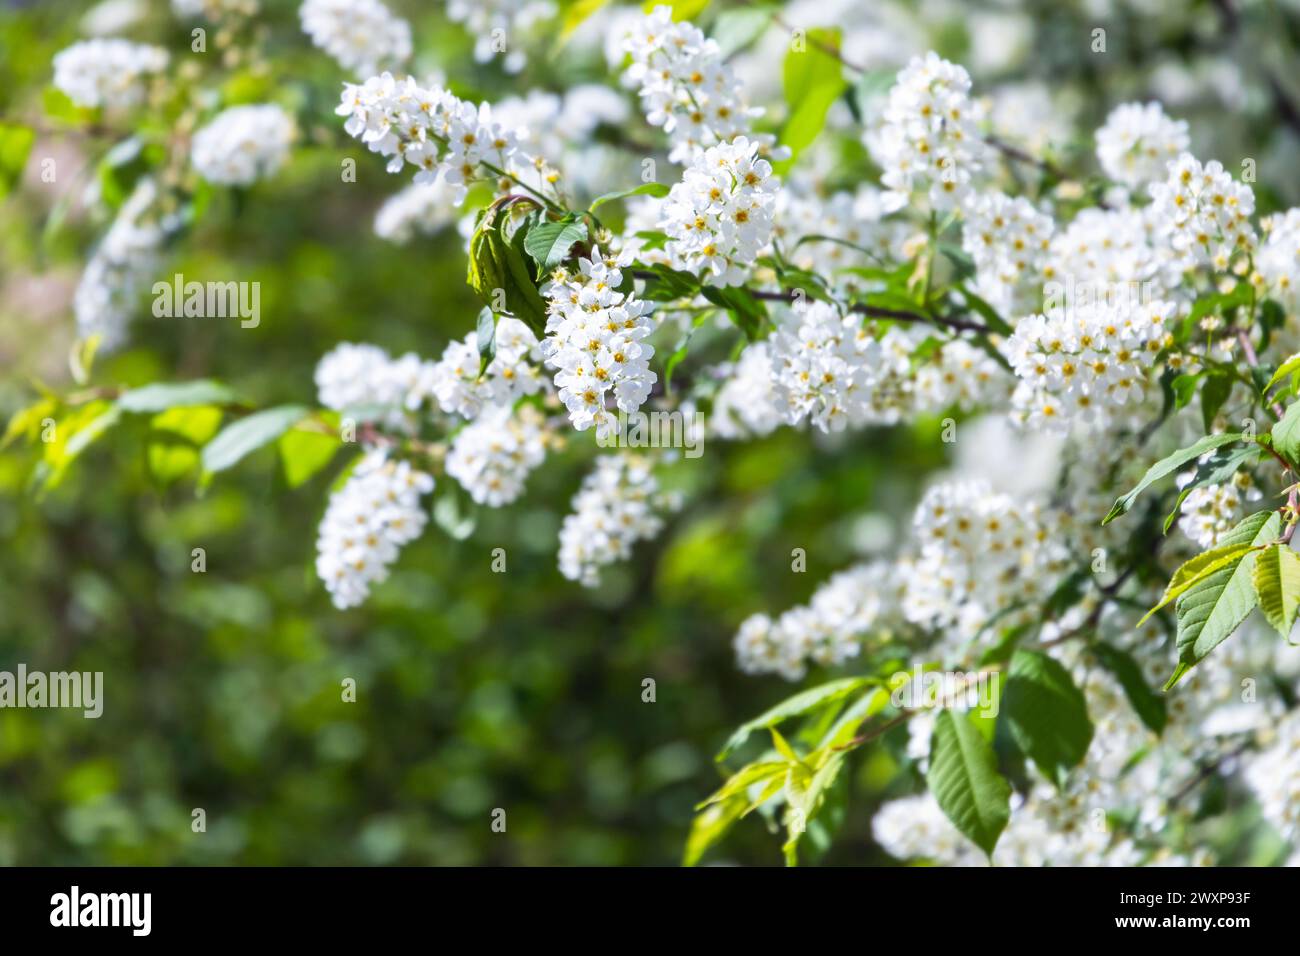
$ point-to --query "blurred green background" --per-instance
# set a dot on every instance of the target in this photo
(476, 690)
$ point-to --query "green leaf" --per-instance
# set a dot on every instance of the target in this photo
(549, 242)
(1215, 391)
(497, 271)
(1277, 586)
(658, 190)
(735, 30)
(576, 13)
(746, 311)
(964, 779)
(801, 703)
(162, 396)
(245, 435)
(682, 9)
(1211, 610)
(1195, 570)
(1286, 434)
(744, 778)
(1046, 713)
(1167, 466)
(485, 333)
(813, 81)
(304, 452)
(665, 284)
(711, 825)
(15, 146)
(175, 438)
(1289, 367)
(1149, 706)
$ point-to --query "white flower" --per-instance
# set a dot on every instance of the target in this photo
(362, 35)
(980, 553)
(442, 136)
(596, 342)
(364, 382)
(1009, 240)
(511, 374)
(929, 141)
(1278, 260)
(1108, 251)
(617, 506)
(366, 524)
(492, 456)
(828, 631)
(746, 405)
(1203, 214)
(1211, 511)
(1087, 362)
(687, 89)
(719, 217)
(1274, 774)
(107, 72)
(1137, 143)
(419, 209)
(243, 144)
(122, 267)
(500, 26)
(824, 367)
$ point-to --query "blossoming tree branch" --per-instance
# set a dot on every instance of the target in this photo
(1127, 318)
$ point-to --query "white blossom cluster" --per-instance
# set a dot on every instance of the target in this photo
(243, 144)
(1087, 363)
(596, 342)
(719, 217)
(362, 35)
(439, 134)
(122, 267)
(687, 88)
(828, 631)
(1105, 252)
(499, 26)
(365, 382)
(108, 72)
(619, 504)
(1204, 213)
(423, 209)
(1138, 141)
(367, 522)
(855, 219)
(1211, 511)
(823, 367)
(1274, 775)
(978, 553)
(1277, 264)
(746, 405)
(492, 456)
(1009, 241)
(512, 373)
(929, 140)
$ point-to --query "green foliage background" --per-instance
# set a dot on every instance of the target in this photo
(476, 690)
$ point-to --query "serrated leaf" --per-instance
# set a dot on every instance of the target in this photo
(1046, 713)
(1214, 607)
(246, 435)
(964, 779)
(1148, 705)
(711, 825)
(744, 778)
(1194, 570)
(1286, 434)
(1167, 466)
(1277, 586)
(1289, 367)
(801, 703)
(549, 242)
